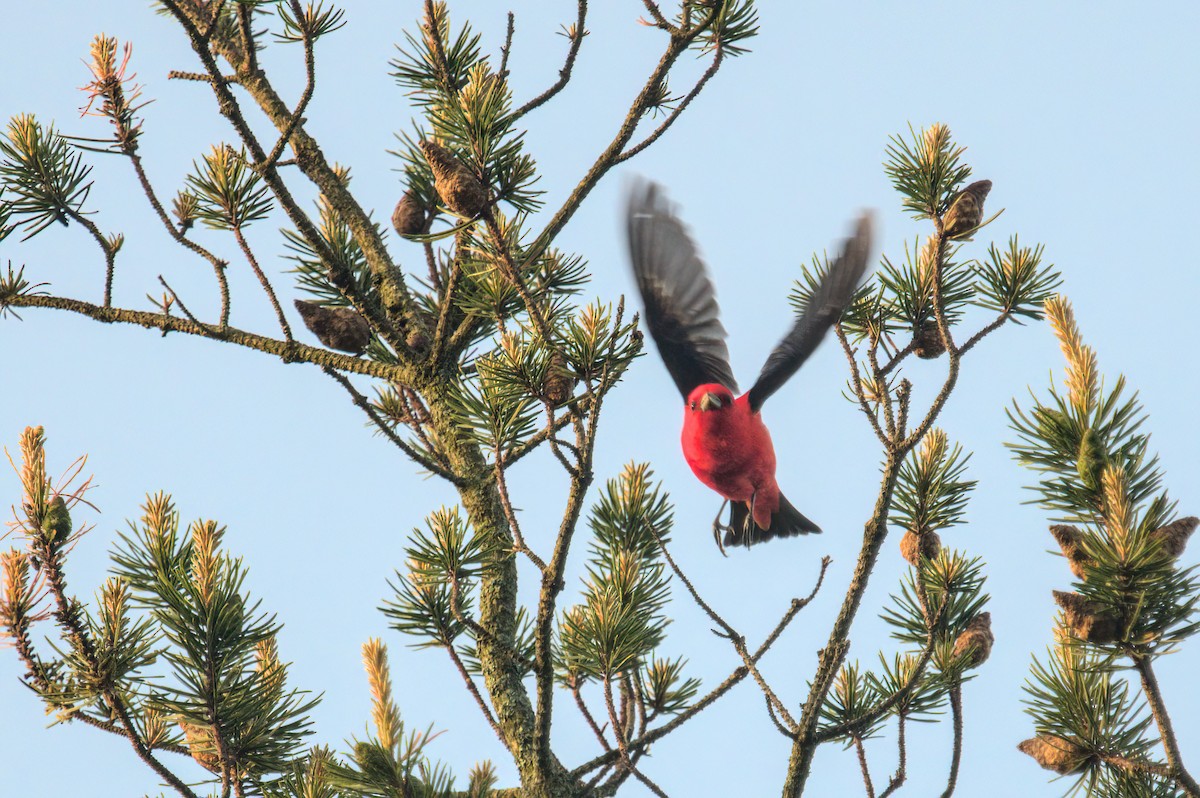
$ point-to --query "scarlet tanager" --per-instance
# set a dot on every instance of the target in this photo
(724, 439)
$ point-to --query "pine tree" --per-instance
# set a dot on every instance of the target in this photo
(486, 355)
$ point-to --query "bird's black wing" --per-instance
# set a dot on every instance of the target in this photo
(681, 305)
(825, 307)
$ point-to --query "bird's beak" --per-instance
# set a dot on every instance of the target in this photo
(711, 401)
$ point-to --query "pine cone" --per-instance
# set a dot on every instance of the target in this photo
(966, 211)
(456, 185)
(409, 217)
(559, 384)
(56, 523)
(417, 340)
(914, 546)
(1174, 536)
(338, 328)
(1069, 538)
(1088, 620)
(1055, 753)
(1092, 459)
(200, 744)
(975, 641)
(927, 341)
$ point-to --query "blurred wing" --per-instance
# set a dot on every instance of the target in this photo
(681, 305)
(825, 307)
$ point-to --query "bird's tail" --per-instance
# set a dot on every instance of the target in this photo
(785, 522)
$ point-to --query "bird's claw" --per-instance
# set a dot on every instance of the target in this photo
(718, 528)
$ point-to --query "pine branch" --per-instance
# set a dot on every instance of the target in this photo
(862, 766)
(310, 160)
(901, 775)
(288, 352)
(365, 405)
(264, 282)
(564, 75)
(1162, 720)
(718, 59)
(730, 681)
(479, 700)
(956, 755)
(179, 236)
(730, 634)
(67, 616)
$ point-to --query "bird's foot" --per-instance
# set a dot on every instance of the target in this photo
(719, 528)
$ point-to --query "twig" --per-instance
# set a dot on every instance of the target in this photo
(739, 673)
(656, 14)
(110, 254)
(718, 59)
(1138, 765)
(792, 611)
(262, 279)
(513, 273)
(896, 359)
(244, 10)
(365, 405)
(856, 386)
(310, 81)
(564, 74)
(178, 301)
(291, 352)
(885, 394)
(541, 436)
(1158, 708)
(511, 517)
(177, 234)
(552, 584)
(589, 718)
(487, 712)
(862, 765)
(739, 642)
(903, 397)
(200, 77)
(956, 756)
(897, 781)
(678, 44)
(623, 745)
(979, 336)
(506, 48)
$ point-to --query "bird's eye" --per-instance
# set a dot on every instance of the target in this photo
(691, 405)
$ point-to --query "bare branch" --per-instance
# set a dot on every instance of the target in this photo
(564, 74)
(365, 405)
(897, 780)
(956, 755)
(862, 765)
(718, 59)
(506, 48)
(511, 516)
(856, 386)
(483, 707)
(266, 284)
(288, 352)
(1158, 708)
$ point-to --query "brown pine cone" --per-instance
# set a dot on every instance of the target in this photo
(966, 211)
(456, 185)
(338, 328)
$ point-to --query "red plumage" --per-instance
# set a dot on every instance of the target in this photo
(724, 439)
(729, 449)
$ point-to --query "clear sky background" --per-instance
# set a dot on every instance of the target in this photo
(1084, 115)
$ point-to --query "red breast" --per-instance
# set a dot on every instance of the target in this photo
(728, 447)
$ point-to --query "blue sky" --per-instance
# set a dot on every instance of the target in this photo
(1083, 115)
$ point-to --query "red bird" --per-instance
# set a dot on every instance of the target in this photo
(724, 439)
